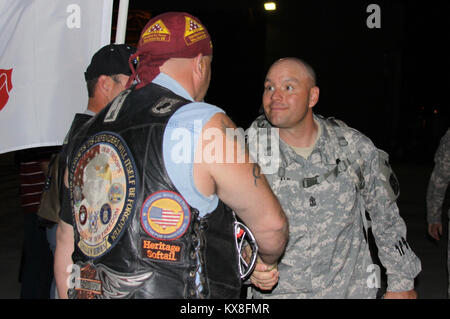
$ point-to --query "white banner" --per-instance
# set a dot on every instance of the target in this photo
(45, 47)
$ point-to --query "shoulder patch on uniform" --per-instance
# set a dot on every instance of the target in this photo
(165, 215)
(387, 176)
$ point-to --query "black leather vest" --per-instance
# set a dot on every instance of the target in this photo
(78, 121)
(135, 235)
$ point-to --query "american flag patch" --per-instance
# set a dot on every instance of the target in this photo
(164, 217)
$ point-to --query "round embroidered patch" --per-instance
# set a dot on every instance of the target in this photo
(165, 215)
(103, 187)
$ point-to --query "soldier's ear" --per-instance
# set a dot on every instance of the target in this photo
(314, 93)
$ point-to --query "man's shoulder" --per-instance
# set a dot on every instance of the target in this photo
(353, 140)
(260, 122)
(446, 140)
(351, 134)
(196, 111)
(442, 155)
(78, 121)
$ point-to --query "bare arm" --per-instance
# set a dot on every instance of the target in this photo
(63, 251)
(63, 257)
(410, 294)
(242, 187)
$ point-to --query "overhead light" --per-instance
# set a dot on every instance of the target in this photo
(270, 6)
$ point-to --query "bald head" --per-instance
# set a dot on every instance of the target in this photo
(304, 67)
(290, 94)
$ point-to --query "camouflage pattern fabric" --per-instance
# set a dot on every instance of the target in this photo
(437, 186)
(327, 255)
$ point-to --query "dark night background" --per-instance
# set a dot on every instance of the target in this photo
(390, 83)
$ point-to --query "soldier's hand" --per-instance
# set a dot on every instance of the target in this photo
(264, 277)
(435, 230)
(410, 294)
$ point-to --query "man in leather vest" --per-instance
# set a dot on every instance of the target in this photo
(147, 215)
(106, 76)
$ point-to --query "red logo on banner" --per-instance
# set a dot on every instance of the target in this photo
(5, 86)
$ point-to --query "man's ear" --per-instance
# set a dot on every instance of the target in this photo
(104, 84)
(313, 96)
(199, 65)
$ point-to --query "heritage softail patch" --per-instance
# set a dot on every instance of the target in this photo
(161, 251)
(165, 215)
(103, 188)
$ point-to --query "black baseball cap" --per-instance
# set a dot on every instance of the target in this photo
(109, 60)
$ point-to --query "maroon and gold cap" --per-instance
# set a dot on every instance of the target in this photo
(169, 35)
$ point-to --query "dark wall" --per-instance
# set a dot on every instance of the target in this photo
(238, 63)
(390, 83)
(237, 29)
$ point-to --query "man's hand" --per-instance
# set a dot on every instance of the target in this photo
(435, 230)
(264, 277)
(410, 294)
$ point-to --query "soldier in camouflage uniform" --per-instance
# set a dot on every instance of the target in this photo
(327, 176)
(439, 180)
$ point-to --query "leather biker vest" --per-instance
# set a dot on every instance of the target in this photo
(78, 121)
(135, 235)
